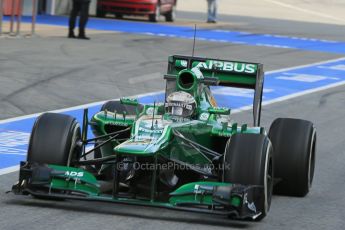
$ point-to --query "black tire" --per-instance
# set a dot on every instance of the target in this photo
(294, 144)
(54, 140)
(100, 13)
(119, 16)
(171, 15)
(155, 16)
(119, 108)
(248, 160)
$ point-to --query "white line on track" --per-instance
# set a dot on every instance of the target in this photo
(244, 108)
(290, 96)
(304, 66)
(315, 13)
(9, 170)
(70, 108)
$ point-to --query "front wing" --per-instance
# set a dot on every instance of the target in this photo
(51, 181)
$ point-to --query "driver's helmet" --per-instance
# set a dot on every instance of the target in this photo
(180, 104)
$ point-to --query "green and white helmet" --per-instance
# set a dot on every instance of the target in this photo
(180, 104)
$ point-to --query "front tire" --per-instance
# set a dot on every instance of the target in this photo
(294, 143)
(54, 140)
(112, 106)
(248, 160)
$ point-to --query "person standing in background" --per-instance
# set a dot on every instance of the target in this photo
(212, 11)
(80, 7)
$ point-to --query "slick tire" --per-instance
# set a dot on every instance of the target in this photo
(54, 140)
(119, 16)
(112, 106)
(171, 15)
(294, 144)
(248, 160)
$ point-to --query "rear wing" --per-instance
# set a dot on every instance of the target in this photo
(229, 73)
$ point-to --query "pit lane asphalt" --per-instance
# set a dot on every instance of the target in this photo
(47, 73)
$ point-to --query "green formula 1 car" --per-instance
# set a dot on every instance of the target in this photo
(184, 153)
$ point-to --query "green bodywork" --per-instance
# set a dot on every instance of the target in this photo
(74, 179)
(154, 134)
(241, 73)
(153, 131)
(81, 181)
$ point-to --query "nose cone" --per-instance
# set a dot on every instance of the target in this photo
(150, 136)
(137, 147)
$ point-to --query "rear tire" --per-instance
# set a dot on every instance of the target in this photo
(171, 16)
(119, 16)
(250, 157)
(294, 143)
(54, 139)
